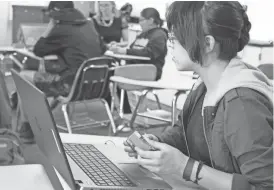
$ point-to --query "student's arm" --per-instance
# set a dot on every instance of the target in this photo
(50, 44)
(249, 136)
(124, 31)
(155, 47)
(248, 133)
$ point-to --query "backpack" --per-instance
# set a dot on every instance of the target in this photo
(10, 148)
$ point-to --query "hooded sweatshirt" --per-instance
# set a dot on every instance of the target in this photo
(73, 39)
(237, 125)
(153, 44)
(239, 74)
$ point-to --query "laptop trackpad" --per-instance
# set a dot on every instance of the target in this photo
(139, 174)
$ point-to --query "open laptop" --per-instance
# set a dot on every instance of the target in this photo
(29, 33)
(83, 166)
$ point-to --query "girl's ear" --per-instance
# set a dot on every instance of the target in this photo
(209, 43)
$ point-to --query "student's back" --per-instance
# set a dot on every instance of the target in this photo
(73, 38)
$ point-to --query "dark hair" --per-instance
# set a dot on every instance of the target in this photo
(59, 5)
(148, 13)
(226, 21)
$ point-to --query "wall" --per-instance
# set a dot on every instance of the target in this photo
(6, 18)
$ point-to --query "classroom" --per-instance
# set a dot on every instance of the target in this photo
(127, 94)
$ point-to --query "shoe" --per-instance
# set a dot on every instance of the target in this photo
(124, 128)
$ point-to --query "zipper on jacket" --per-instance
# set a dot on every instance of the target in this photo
(204, 115)
(184, 133)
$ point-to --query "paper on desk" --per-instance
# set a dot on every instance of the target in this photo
(115, 153)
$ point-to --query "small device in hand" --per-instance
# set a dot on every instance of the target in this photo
(137, 140)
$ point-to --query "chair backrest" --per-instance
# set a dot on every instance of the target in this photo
(5, 107)
(267, 69)
(144, 72)
(91, 80)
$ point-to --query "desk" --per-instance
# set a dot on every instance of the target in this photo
(125, 57)
(7, 49)
(261, 45)
(30, 55)
(117, 155)
(25, 177)
(152, 85)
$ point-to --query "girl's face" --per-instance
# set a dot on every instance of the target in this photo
(180, 56)
(145, 23)
(106, 7)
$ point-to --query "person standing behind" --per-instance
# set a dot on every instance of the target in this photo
(110, 26)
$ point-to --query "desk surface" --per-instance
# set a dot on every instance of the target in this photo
(257, 43)
(153, 84)
(115, 145)
(24, 177)
(32, 55)
(7, 49)
(125, 57)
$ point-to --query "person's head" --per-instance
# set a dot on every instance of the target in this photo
(58, 6)
(150, 18)
(106, 8)
(203, 32)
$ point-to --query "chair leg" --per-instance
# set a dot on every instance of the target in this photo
(121, 109)
(112, 106)
(134, 114)
(110, 117)
(65, 112)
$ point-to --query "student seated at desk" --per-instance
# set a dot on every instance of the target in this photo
(224, 135)
(73, 39)
(110, 25)
(152, 42)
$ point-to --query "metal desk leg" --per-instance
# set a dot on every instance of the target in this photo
(134, 114)
(174, 106)
(66, 116)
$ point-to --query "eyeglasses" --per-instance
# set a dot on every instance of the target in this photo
(142, 19)
(104, 5)
(171, 38)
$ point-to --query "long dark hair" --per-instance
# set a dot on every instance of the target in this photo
(148, 13)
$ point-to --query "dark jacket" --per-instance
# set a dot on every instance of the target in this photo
(74, 39)
(153, 44)
(237, 125)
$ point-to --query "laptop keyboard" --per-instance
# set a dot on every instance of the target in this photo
(97, 166)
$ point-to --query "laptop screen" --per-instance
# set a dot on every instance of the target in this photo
(30, 33)
(36, 108)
